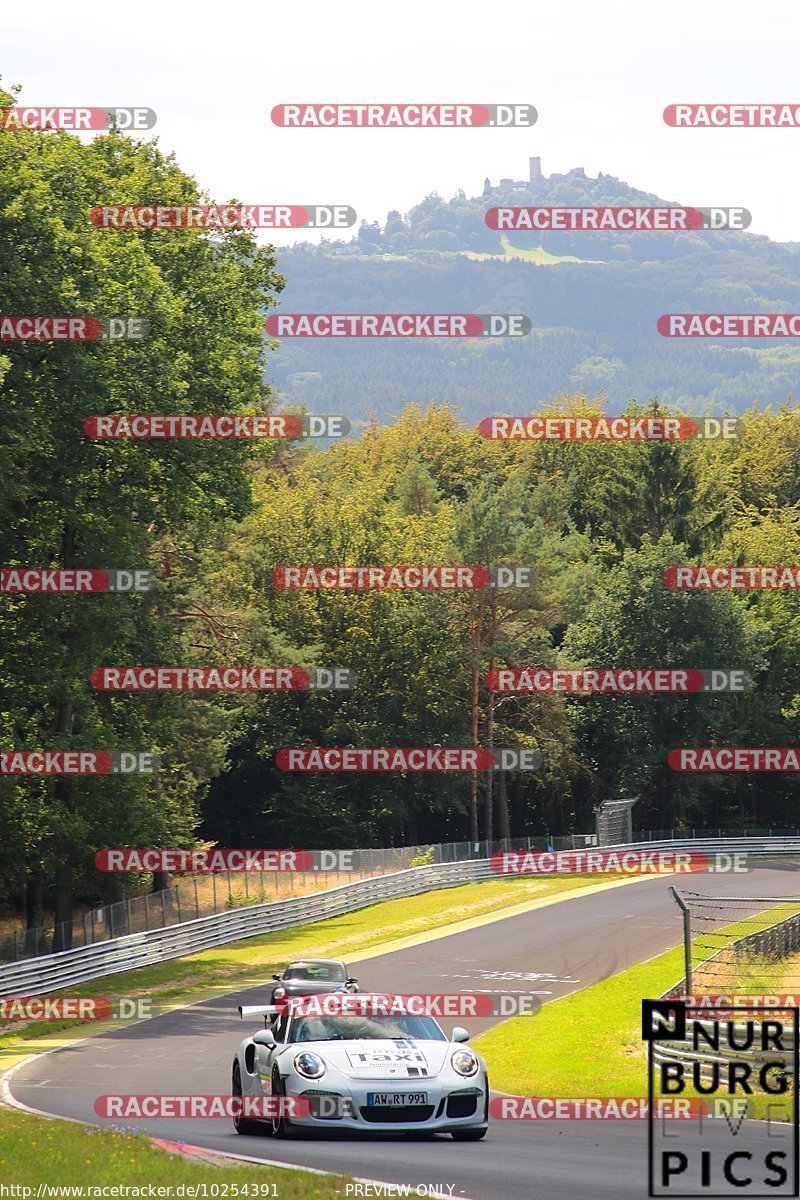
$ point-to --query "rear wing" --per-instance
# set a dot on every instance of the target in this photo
(258, 1010)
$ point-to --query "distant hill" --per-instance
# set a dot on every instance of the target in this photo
(593, 298)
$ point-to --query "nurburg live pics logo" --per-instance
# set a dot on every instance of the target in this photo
(733, 1055)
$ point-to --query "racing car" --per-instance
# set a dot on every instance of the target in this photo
(311, 976)
(364, 1064)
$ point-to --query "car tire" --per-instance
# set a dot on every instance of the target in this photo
(281, 1126)
(242, 1125)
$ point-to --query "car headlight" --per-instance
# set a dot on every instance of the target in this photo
(310, 1065)
(464, 1062)
(279, 993)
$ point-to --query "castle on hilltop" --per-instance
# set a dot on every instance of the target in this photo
(536, 178)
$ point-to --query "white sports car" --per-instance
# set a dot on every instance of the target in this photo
(370, 1071)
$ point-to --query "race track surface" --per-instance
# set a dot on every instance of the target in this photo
(551, 951)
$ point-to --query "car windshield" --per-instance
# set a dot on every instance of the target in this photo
(316, 973)
(347, 1028)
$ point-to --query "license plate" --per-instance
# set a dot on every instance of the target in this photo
(396, 1099)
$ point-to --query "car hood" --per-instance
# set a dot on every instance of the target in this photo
(370, 1058)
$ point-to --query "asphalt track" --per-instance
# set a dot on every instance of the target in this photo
(550, 951)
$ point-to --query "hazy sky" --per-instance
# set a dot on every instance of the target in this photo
(599, 75)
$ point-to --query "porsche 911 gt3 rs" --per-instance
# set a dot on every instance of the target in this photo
(369, 1067)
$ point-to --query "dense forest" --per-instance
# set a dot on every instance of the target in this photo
(594, 299)
(597, 523)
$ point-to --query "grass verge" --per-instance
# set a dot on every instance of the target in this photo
(36, 1151)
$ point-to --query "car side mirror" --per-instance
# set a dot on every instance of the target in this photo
(264, 1037)
(351, 980)
(459, 1034)
(276, 977)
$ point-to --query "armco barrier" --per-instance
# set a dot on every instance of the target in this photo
(33, 976)
(36, 975)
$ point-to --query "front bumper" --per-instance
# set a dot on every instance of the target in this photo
(449, 1107)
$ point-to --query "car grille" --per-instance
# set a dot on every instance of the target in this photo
(387, 1114)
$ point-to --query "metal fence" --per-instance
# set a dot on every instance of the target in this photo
(773, 942)
(218, 892)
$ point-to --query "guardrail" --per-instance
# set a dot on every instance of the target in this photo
(766, 847)
(31, 977)
(36, 975)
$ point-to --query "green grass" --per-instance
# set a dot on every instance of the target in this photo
(34, 1150)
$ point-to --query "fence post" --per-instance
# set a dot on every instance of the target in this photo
(178, 902)
(196, 898)
(687, 941)
(16, 945)
(147, 911)
(130, 915)
(163, 908)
